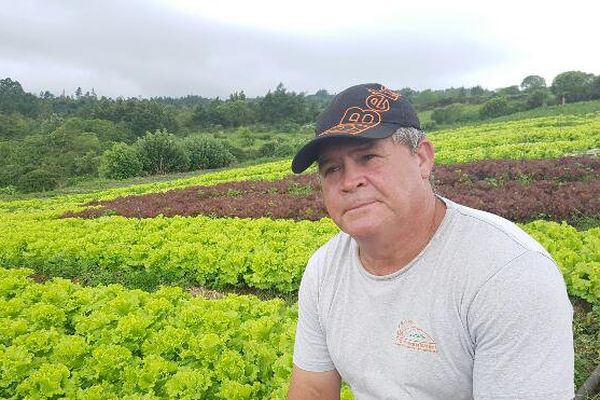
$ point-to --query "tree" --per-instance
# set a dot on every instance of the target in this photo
(450, 114)
(572, 85)
(533, 82)
(14, 126)
(14, 99)
(425, 99)
(477, 91)
(233, 113)
(537, 98)
(408, 93)
(494, 107)
(509, 91)
(594, 88)
(283, 106)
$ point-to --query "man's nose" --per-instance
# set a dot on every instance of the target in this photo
(352, 178)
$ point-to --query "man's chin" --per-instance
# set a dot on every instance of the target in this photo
(361, 229)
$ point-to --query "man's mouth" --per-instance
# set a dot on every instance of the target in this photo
(360, 205)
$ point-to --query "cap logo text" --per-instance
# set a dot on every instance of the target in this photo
(357, 120)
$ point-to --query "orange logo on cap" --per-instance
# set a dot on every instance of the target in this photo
(355, 121)
(378, 102)
(385, 92)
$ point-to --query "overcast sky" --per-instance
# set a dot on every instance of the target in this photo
(215, 47)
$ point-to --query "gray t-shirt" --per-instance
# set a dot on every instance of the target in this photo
(481, 313)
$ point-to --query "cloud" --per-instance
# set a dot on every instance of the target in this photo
(150, 48)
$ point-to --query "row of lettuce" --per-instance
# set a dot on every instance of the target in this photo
(225, 252)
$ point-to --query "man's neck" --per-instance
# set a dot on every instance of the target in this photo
(386, 255)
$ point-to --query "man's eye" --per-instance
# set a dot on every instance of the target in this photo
(330, 170)
(367, 157)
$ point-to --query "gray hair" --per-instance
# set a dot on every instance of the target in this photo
(412, 138)
(408, 136)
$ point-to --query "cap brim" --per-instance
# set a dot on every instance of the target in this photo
(309, 153)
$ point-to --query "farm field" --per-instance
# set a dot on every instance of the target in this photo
(106, 307)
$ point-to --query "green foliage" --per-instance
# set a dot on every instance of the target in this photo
(495, 107)
(113, 343)
(106, 131)
(454, 113)
(576, 254)
(508, 91)
(533, 82)
(282, 106)
(232, 113)
(537, 98)
(39, 180)
(572, 85)
(120, 161)
(14, 126)
(161, 153)
(13, 99)
(140, 116)
(205, 152)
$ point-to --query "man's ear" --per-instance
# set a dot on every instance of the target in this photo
(425, 154)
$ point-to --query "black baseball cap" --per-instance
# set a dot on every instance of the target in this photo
(363, 111)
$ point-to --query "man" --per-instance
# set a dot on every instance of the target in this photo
(419, 297)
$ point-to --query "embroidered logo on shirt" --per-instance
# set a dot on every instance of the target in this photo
(411, 336)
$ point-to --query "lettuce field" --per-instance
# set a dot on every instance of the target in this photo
(98, 291)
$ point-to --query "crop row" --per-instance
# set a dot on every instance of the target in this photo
(221, 252)
(499, 172)
(204, 251)
(520, 190)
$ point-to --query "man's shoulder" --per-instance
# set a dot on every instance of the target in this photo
(491, 231)
(340, 245)
(328, 258)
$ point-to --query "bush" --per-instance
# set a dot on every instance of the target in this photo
(160, 153)
(8, 190)
(267, 149)
(537, 98)
(39, 180)
(120, 161)
(239, 153)
(204, 152)
(449, 115)
(495, 107)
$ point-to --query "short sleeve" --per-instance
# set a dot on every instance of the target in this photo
(310, 347)
(520, 322)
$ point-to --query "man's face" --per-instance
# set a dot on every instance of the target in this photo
(376, 186)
